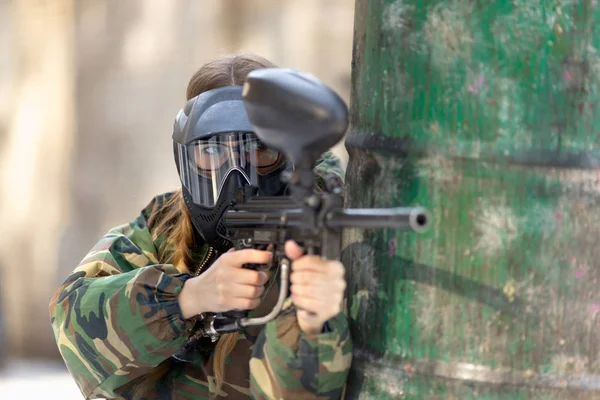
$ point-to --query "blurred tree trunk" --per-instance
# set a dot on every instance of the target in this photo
(487, 113)
(35, 157)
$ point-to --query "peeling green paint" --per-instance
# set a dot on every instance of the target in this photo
(487, 113)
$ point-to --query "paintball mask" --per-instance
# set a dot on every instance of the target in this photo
(217, 155)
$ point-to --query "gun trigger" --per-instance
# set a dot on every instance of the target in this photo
(256, 267)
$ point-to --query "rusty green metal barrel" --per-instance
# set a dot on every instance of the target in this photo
(487, 113)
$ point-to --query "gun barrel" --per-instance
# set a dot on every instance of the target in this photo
(255, 216)
(415, 218)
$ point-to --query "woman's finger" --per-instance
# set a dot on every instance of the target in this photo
(245, 276)
(332, 292)
(238, 258)
(308, 304)
(238, 303)
(293, 250)
(245, 291)
(315, 263)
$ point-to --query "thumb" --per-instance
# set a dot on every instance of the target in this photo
(292, 250)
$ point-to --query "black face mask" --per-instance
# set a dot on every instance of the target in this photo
(208, 222)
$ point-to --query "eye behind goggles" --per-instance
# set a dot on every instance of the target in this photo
(240, 150)
(205, 164)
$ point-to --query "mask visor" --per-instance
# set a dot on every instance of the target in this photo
(206, 164)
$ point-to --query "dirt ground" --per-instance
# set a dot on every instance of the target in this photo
(37, 380)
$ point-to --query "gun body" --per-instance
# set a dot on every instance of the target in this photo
(263, 221)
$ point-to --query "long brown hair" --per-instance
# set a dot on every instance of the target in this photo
(173, 221)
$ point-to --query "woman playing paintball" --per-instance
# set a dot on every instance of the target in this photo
(124, 313)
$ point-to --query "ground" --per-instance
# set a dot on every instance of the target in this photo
(37, 380)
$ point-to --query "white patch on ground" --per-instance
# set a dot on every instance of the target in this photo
(389, 185)
(428, 310)
(45, 380)
(510, 116)
(521, 31)
(366, 275)
(395, 15)
(437, 168)
(592, 55)
(580, 182)
(497, 226)
(447, 35)
(566, 365)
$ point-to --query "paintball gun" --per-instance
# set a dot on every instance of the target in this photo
(295, 113)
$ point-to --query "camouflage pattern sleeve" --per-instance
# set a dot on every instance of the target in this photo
(288, 364)
(328, 168)
(117, 315)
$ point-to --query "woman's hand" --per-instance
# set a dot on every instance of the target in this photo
(317, 288)
(226, 285)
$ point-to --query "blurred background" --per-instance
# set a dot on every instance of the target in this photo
(88, 93)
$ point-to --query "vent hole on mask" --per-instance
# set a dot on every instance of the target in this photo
(221, 228)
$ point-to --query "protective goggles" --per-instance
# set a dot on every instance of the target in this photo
(206, 164)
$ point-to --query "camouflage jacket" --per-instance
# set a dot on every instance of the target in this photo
(116, 317)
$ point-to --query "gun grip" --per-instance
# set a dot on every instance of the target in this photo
(312, 250)
(244, 313)
(236, 314)
(255, 267)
